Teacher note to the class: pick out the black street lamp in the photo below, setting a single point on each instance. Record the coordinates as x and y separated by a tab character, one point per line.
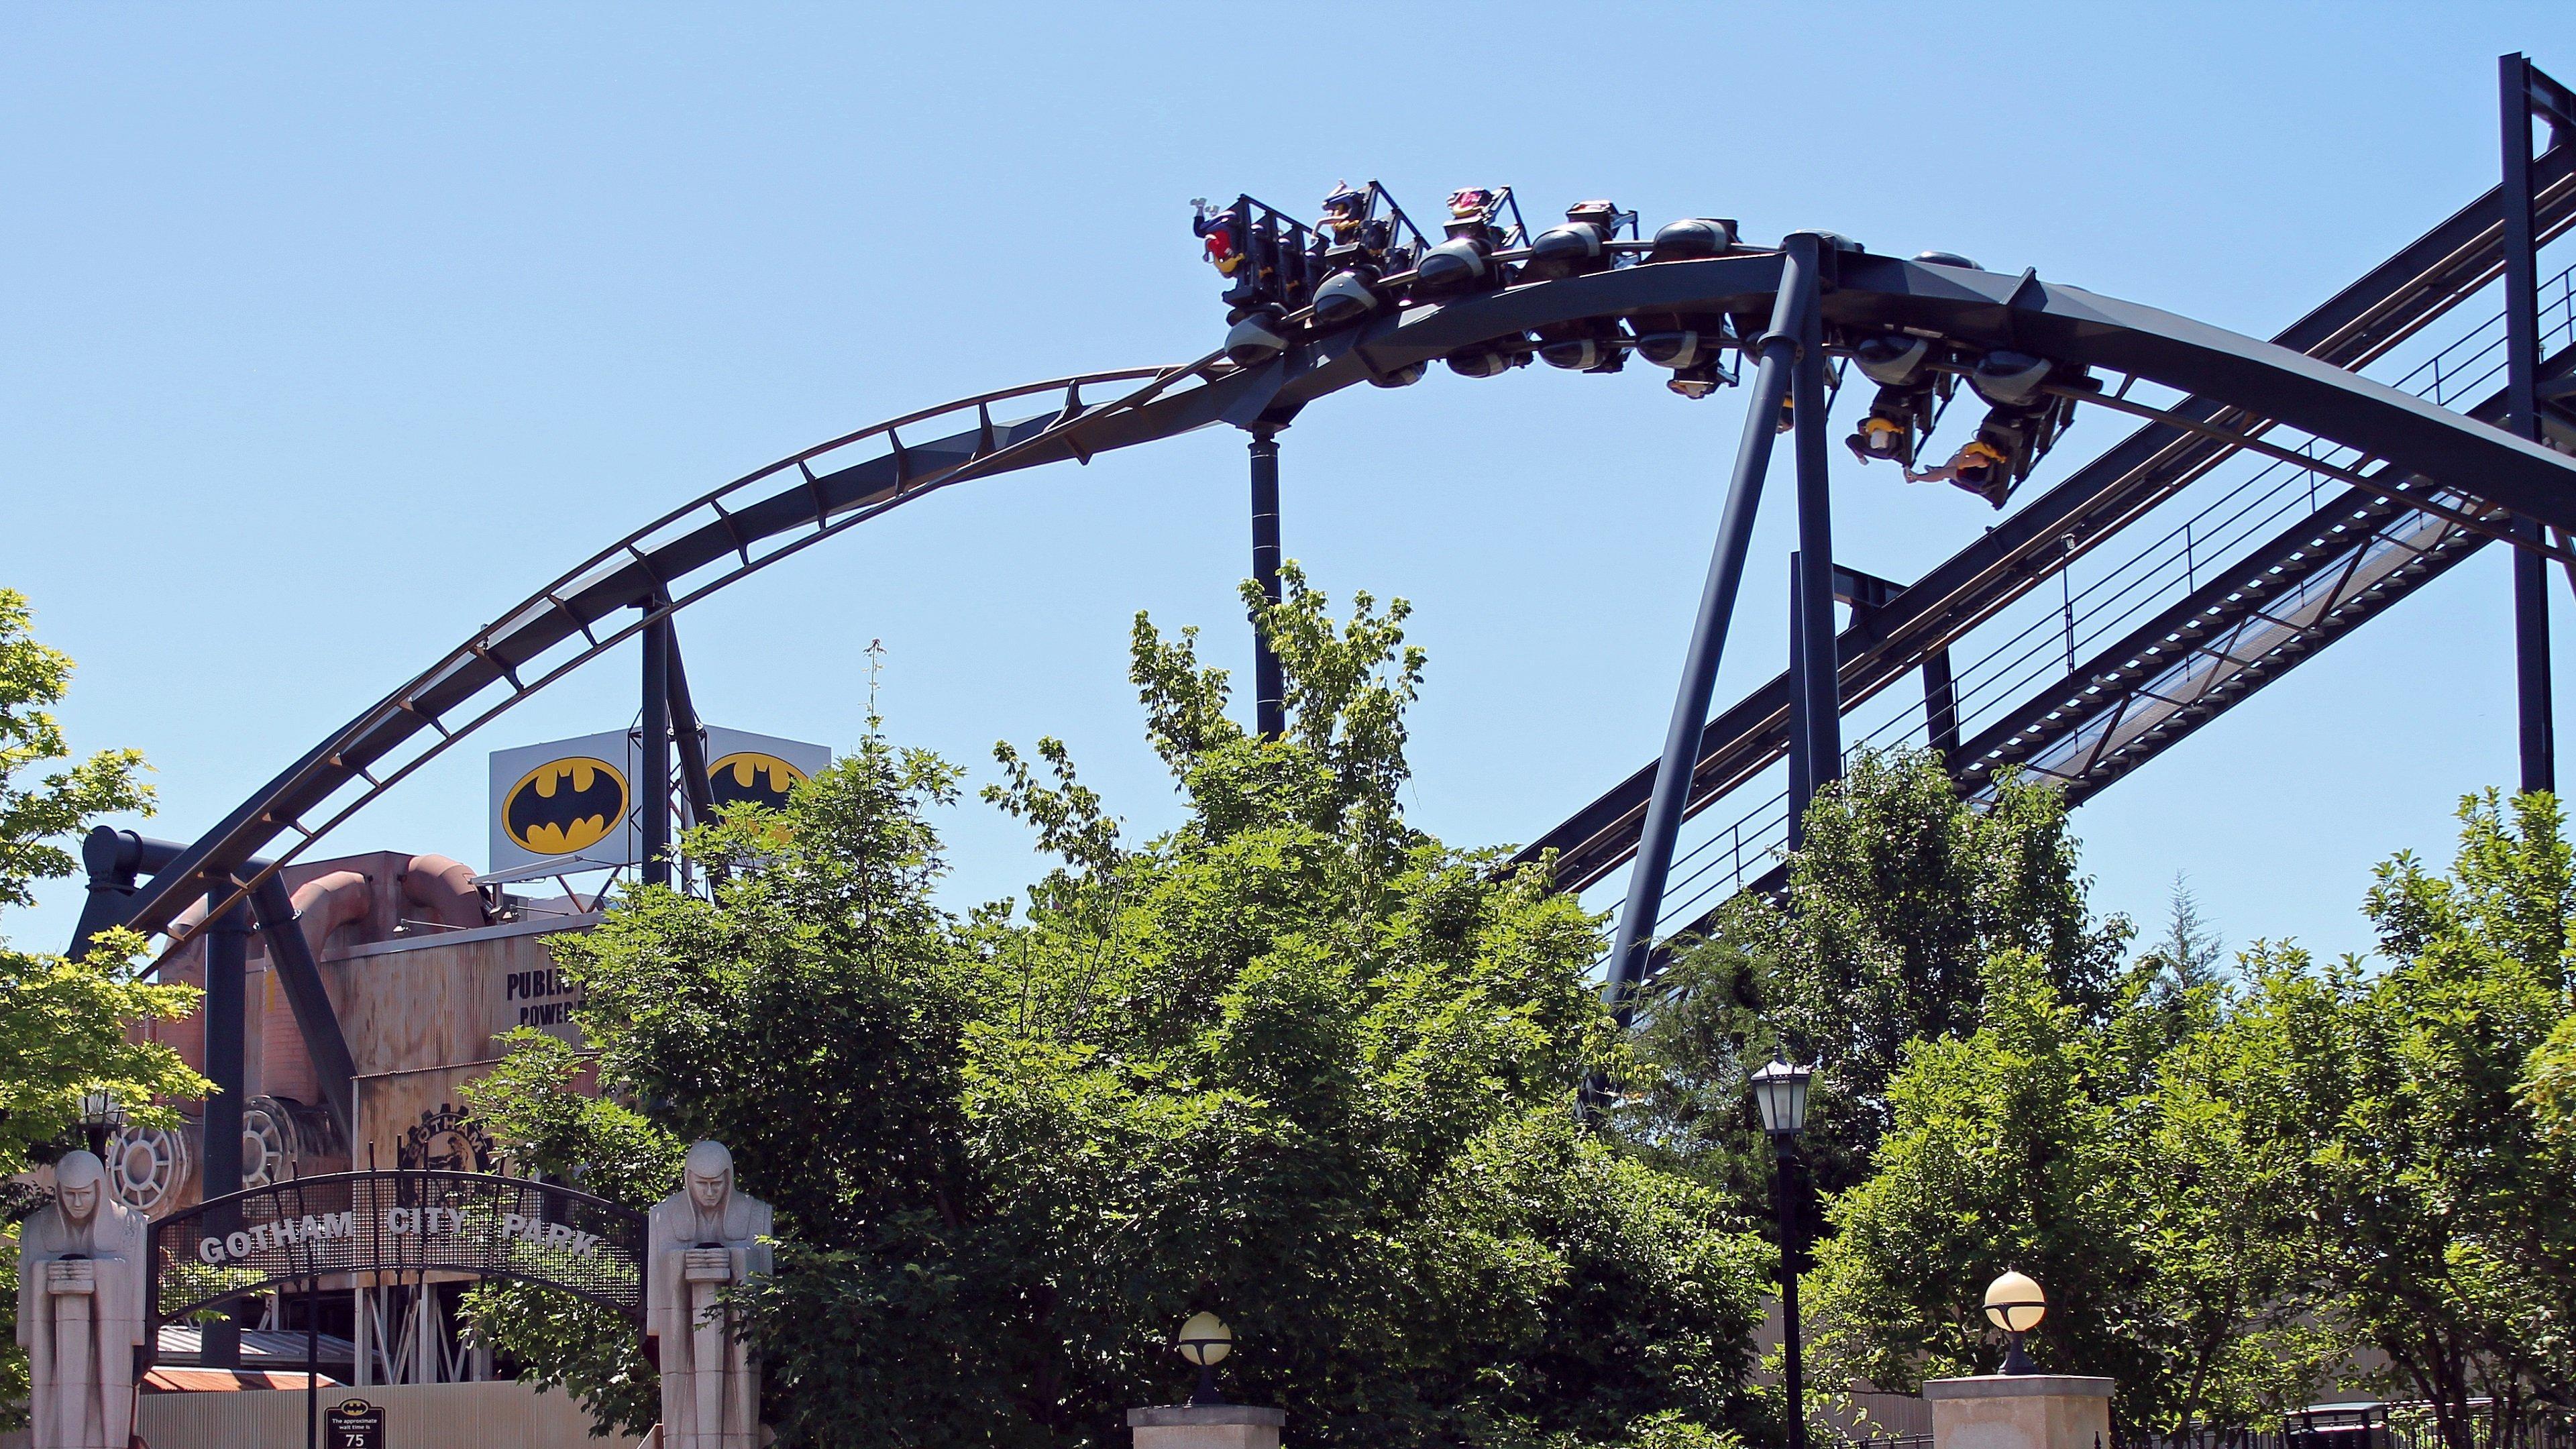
100	1116
1781	1091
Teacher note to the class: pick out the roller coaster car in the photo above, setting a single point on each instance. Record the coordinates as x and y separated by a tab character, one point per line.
1342	231
1692	346
1354	247
1490	359
1691	238
1247	243
1256	337
1464	262
2026	421
1983	468
1581	245
1589	346
1910	394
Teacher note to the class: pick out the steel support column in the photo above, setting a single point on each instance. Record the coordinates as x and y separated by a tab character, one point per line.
2522	378
653	763
1802	778
227	952
1818	683
688	734
1941	706
1269	688
299	976
1790	319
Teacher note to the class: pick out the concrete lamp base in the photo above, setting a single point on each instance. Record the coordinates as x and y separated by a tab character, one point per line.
2019	1411
1209	1426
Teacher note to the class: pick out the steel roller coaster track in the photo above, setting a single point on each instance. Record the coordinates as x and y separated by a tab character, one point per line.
2397	454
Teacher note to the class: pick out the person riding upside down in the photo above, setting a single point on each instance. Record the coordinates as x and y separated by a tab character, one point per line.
1979	468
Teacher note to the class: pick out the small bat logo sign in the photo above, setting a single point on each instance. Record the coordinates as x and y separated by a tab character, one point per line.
565	805
752	777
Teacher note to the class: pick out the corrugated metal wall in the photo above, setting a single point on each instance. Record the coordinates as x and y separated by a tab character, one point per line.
499	1415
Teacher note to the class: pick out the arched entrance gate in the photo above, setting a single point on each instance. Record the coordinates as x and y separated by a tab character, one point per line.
389	1225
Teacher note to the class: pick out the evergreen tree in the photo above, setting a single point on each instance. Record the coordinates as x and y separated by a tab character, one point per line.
2189	954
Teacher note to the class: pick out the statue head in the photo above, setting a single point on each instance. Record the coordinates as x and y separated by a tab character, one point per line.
80	1181
708	1173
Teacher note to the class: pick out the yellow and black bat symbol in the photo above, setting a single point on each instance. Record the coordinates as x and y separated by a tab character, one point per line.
565	805
763	780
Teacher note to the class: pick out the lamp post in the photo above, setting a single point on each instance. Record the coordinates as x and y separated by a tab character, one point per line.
1780	1090
2015	1305
1205	1340
100	1116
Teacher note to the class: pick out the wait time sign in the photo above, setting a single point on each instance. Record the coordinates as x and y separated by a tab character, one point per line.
354	1424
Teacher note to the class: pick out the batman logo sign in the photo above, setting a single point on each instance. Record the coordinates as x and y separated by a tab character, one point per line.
752	777
565	805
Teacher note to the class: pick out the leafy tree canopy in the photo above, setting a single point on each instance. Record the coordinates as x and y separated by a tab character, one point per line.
2089	1153
1899	896
2223	1188
65	1030
1294	1061
2428	1200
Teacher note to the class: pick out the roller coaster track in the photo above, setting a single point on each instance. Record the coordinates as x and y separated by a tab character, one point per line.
2045	537
2195	622
2391	444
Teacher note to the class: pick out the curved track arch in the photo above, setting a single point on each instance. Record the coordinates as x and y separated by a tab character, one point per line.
782	509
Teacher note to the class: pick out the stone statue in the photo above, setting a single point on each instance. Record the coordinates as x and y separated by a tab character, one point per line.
703	1238
81	1266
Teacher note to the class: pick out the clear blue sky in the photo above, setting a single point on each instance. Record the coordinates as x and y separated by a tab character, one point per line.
331	331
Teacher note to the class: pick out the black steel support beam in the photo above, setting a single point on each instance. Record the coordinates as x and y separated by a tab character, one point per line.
1818	663
1269	687
1941	707
1791	316
689	734
2535	729
116	858
1802	780
653	761
227	950
300	976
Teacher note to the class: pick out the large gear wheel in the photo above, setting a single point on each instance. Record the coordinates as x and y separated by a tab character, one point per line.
145	1166
269	1142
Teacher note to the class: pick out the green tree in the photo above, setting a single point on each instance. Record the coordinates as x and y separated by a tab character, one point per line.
2428	1199
1293	1060
1896	900
64	1032
535	1106
2190	953
2075	1147
2549	1085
